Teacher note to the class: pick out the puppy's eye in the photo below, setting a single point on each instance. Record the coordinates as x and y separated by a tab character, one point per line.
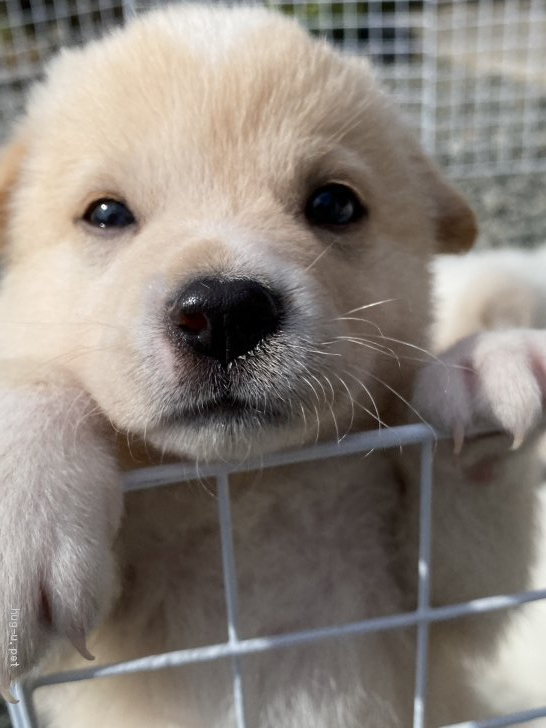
334	204
107	214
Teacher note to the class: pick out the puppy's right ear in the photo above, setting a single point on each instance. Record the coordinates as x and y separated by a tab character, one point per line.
11	158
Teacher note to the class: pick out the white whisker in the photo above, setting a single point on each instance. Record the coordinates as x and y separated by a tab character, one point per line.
401	398
427	353
375	416
369	305
351	399
319	256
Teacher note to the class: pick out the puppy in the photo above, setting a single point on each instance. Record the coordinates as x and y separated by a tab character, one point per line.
216	233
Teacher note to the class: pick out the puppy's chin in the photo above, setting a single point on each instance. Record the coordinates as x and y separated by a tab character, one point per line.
234	436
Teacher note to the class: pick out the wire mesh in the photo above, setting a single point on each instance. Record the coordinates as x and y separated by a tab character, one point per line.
235	648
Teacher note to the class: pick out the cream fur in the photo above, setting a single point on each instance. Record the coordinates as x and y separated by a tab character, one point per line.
216	152
497	290
487	290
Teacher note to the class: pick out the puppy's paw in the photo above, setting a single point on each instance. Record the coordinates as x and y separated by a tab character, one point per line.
54	585
60	507
492	380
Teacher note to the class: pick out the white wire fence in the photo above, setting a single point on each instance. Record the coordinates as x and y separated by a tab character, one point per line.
470	74
23	714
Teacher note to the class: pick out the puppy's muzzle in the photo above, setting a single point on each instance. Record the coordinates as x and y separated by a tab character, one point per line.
223	319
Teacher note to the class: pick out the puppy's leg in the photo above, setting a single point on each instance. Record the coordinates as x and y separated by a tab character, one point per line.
485	494
489	381
60	506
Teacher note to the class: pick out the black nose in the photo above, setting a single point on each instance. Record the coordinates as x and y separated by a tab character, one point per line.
224	319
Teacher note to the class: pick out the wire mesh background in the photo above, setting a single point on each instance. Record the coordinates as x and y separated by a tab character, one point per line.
471	74
471	77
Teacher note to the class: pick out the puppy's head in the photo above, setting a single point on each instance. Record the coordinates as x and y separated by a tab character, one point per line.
220	226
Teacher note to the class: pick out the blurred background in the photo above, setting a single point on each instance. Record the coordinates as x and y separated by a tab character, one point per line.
470	76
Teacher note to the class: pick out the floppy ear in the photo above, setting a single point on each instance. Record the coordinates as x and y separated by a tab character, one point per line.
11	157
456	225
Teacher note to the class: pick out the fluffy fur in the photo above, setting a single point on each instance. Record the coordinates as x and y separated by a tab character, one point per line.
485	291
214	126
488	290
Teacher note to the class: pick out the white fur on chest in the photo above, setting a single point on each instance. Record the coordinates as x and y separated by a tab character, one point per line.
315	546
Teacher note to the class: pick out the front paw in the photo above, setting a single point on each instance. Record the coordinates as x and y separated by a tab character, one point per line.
57	582
491	380
60	506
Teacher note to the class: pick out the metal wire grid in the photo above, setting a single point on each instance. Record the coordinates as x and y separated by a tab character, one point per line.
490	85
469	73
23	715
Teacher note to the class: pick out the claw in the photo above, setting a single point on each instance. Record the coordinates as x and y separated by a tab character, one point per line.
458	438
77	638
519	437
6	693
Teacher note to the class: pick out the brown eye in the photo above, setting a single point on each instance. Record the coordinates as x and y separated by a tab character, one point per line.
107	214
334	204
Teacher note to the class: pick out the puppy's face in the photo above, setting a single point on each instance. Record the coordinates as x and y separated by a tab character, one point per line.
221	229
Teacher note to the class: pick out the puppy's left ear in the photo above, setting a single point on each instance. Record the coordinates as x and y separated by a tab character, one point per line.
11	157
456	225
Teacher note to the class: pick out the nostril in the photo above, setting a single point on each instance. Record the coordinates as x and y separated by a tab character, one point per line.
193	323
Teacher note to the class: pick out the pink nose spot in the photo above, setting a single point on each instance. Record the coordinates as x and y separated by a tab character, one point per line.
194	322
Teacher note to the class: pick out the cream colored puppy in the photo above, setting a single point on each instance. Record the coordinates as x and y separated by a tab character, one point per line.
217	233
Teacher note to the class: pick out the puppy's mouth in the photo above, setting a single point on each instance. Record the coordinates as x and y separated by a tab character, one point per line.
227	410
